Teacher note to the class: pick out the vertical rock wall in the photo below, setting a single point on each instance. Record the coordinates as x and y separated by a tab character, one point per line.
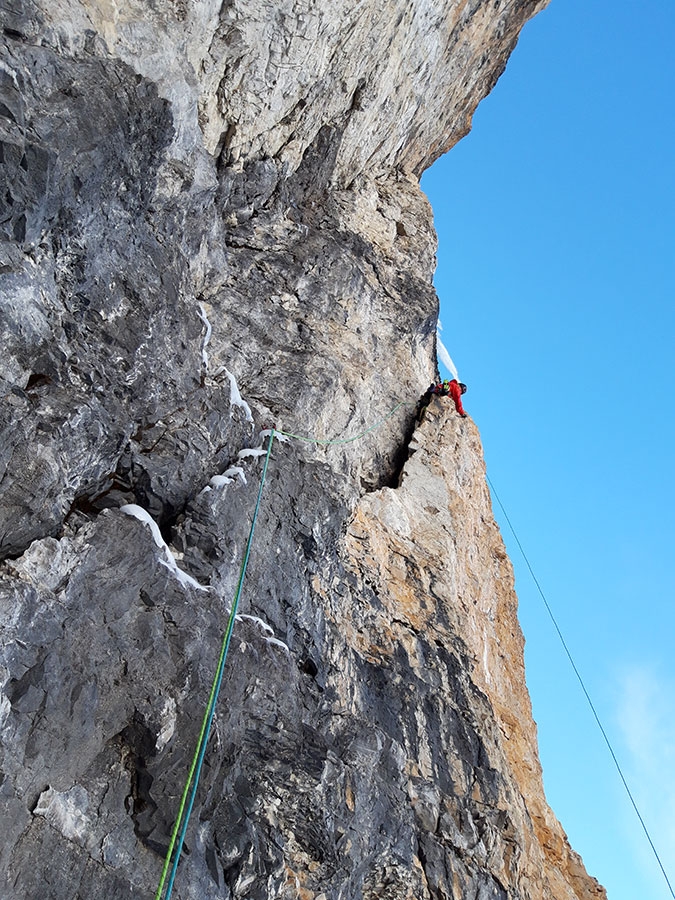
211	224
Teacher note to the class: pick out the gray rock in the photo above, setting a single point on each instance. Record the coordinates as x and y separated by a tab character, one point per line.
212	225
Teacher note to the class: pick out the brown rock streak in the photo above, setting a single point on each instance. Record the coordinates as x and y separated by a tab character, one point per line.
432	556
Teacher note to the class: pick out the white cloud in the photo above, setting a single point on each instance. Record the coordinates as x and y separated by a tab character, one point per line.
646	715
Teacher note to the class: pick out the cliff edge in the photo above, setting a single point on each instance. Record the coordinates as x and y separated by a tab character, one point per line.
211	224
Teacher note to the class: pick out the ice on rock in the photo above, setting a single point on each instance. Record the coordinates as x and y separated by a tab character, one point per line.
236	399
251	451
258	621
132	509
445	358
207	336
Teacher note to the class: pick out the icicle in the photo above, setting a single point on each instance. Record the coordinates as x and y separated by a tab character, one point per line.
235	397
444	357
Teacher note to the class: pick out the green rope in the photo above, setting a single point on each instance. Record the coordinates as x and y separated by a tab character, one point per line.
190	791
311	440
198	758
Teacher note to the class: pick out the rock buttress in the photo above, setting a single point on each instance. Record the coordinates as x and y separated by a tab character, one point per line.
435	613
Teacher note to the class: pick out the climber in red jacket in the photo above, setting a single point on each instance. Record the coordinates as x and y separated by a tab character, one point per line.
453	388
456	389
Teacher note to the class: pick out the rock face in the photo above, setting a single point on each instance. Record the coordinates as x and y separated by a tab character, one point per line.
212	224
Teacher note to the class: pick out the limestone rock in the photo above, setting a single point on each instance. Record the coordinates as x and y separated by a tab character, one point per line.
211	225
433	583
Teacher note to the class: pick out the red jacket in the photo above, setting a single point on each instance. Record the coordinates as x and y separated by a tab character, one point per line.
456	394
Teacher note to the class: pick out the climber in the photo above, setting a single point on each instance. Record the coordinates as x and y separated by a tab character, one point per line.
453	388
456	389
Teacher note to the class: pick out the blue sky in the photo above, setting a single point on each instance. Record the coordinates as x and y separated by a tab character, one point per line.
556	222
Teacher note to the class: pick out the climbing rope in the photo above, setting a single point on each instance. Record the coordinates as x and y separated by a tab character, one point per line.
189	794
190	790
583	687
185	807
187	800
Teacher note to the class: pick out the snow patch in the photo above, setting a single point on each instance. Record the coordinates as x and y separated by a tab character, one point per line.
207	336
182	577
257	621
131	509
233	471
220	481
235	397
216	482
227	477
278	436
251	451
